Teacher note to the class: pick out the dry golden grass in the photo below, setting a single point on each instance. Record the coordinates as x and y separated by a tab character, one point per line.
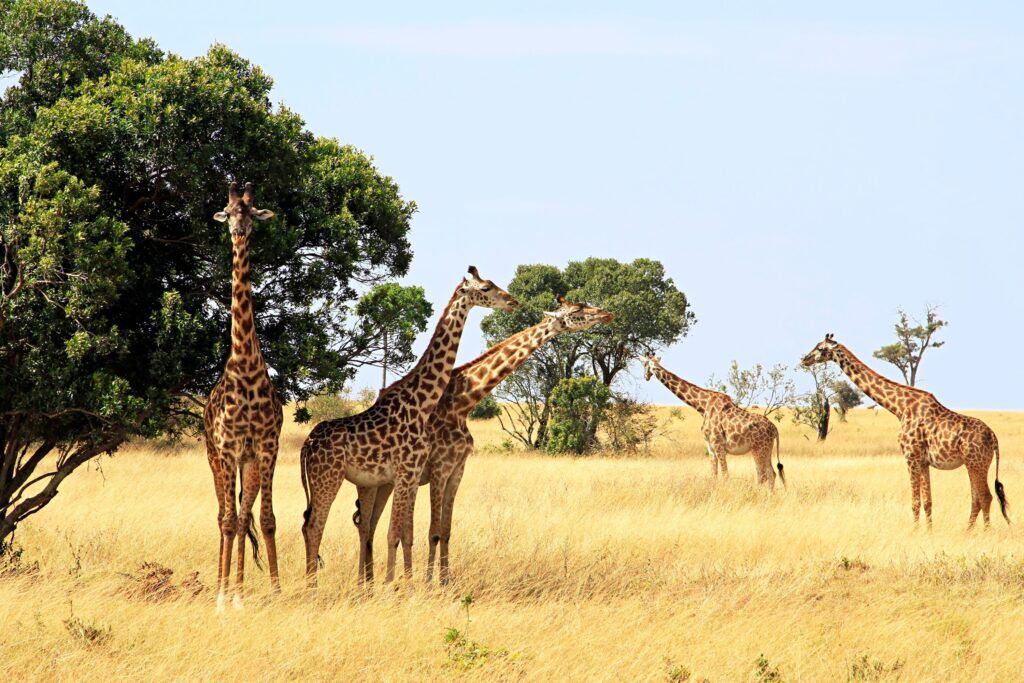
604	568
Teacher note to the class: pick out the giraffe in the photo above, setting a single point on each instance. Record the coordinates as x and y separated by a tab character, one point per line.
384	448
243	417
931	435
451	442
728	429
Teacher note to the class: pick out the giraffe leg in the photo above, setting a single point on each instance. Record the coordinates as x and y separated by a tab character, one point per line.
981	496
914	468
406	484
268	522
720	449
383	494
367	496
438	479
446	518
925	479
322	492
765	471
250	477
714	460
228	528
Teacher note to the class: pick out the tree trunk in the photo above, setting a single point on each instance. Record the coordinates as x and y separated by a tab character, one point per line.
823	423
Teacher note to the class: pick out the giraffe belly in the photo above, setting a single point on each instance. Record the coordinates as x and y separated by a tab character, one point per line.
738	449
370	474
944	462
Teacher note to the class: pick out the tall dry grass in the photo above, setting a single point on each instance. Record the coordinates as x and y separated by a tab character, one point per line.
605	568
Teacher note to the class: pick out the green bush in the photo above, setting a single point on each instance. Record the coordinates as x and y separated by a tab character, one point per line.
577	407
486	409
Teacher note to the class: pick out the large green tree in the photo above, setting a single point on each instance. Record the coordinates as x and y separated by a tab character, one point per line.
114	280
650	313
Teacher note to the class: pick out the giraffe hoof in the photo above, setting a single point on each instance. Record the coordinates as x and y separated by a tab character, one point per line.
236	602
221	603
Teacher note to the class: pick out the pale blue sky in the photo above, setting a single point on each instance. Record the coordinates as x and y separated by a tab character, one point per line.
798	169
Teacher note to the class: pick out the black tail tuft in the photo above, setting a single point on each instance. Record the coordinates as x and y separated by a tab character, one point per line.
319	562
357	516
251	533
782	474
1003	504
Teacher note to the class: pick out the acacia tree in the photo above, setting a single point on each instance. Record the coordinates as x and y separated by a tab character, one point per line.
913	338
390	318
650	313
831	392
114	280
771	389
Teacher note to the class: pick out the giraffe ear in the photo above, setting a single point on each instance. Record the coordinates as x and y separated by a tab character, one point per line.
262	214
220	216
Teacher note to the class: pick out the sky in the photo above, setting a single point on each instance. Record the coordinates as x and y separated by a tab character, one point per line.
799	169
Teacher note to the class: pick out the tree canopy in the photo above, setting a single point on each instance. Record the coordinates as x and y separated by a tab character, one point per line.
913	338
650	313
114	280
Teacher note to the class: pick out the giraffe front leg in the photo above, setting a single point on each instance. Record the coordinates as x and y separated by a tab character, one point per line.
450	490
915	491
438	480
926	492
714	459
227	522
401	509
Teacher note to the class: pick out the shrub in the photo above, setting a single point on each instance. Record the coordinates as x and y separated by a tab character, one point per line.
486	409
578	405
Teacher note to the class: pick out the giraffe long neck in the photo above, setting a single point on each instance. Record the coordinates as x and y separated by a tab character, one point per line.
426	382
471	382
245	345
892	396
697	397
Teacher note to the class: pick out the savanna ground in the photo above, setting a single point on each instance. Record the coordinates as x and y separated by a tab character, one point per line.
604	568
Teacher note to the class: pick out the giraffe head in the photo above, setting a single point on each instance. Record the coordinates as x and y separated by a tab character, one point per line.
649	363
484	293
240	212
822	353
572	317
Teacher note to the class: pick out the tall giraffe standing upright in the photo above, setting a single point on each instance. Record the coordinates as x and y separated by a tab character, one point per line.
385	447
243	416
451	442
931	435
728	429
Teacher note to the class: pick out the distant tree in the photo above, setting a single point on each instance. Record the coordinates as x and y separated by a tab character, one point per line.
577	406
115	280
650	311
814	408
769	389
913	338
390	318
486	409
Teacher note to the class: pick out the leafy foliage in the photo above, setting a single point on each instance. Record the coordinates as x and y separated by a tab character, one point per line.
913	338
577	406
771	389
831	391
390	318
114	280
486	409
650	313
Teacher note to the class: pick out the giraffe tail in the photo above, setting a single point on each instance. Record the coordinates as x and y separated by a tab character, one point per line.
778	458
308	512
250	533
1000	491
